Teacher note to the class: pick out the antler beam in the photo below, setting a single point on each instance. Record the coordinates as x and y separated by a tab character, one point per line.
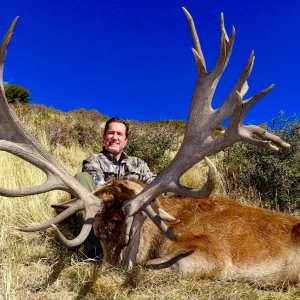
15	139
198	141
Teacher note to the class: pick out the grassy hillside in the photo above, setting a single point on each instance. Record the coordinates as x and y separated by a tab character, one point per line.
36	266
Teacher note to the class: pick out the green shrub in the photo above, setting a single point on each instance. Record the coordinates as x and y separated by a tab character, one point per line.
80	127
17	94
154	142
275	176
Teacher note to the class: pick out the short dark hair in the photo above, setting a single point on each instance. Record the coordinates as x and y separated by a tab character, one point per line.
117	120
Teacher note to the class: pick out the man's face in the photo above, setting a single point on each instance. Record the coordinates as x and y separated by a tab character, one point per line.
115	140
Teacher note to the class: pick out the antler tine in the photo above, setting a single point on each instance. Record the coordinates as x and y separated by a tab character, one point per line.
199	141
248	103
226	110
205	88
159	222
226	45
15	139
248	133
203	192
270	140
86	228
78	205
78	240
5	43
200	61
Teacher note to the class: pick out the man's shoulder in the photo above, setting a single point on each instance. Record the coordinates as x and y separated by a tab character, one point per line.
98	162
133	160
96	157
136	164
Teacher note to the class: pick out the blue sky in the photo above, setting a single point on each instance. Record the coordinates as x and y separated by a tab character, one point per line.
133	58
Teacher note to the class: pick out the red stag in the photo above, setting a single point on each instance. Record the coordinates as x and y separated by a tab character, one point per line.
215	236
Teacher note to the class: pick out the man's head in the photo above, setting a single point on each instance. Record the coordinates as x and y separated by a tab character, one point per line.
115	136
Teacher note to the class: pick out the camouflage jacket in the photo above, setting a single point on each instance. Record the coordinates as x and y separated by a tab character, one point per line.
103	167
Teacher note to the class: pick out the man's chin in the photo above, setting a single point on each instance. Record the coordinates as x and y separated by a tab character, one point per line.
114	151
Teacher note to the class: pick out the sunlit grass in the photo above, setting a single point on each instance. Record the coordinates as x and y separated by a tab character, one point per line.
197	176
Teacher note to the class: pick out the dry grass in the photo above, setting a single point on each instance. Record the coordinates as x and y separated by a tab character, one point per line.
36	266
197	175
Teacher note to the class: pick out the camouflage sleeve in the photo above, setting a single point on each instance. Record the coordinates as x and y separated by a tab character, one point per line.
145	174
91	166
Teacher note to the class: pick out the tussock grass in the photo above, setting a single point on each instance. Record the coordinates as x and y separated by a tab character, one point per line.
36	266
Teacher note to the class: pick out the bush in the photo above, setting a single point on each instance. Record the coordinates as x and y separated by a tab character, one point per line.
17	94
154	142
81	128
275	176
66	130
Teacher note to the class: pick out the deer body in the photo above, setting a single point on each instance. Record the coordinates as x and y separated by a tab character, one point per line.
218	238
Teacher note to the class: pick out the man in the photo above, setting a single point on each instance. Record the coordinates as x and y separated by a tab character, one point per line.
112	162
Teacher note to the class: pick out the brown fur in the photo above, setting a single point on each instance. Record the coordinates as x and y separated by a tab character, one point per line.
217	237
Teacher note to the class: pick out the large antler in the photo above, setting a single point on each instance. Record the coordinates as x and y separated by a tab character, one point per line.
15	139
198	141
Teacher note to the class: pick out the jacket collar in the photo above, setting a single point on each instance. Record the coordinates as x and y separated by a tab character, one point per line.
112	158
